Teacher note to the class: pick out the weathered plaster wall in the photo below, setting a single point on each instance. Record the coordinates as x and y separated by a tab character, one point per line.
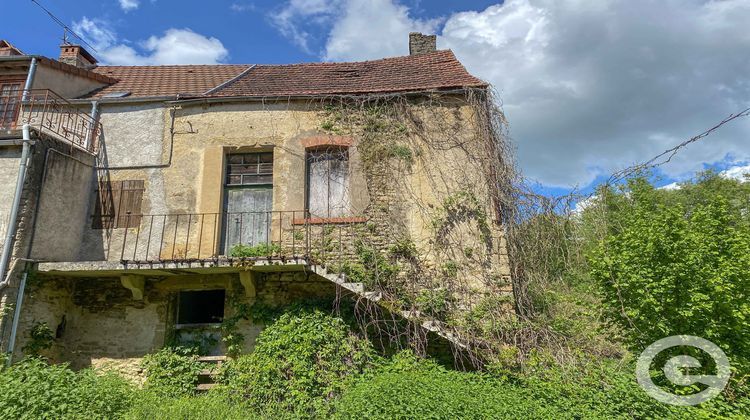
133	134
64	84
63	206
9	159
139	144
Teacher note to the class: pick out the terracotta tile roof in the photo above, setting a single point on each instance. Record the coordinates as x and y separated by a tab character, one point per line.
435	70
145	81
431	71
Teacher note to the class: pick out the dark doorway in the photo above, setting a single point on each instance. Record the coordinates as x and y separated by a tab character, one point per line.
200	307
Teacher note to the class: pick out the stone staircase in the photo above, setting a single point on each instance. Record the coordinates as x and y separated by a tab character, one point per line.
425	321
207	376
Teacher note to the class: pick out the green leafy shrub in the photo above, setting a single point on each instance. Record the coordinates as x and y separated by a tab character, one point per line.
206	407
33	389
408	387
172	371
411	389
41	338
675	268
300	361
259	250
436	302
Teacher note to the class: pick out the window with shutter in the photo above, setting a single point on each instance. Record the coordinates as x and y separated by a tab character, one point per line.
328	182
10	101
118	204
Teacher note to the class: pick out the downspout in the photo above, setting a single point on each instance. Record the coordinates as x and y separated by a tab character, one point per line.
16	317
29	80
92	130
8	245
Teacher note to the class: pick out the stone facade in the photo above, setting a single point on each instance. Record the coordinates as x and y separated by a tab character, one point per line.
179	152
97	323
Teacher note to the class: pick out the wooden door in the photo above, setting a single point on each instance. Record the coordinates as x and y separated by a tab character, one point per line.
248	200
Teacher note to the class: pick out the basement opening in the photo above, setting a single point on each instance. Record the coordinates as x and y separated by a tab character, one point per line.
200	307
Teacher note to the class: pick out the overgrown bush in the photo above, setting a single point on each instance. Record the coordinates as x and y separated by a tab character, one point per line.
407	388
207	407
32	389
299	362
678	263
172	372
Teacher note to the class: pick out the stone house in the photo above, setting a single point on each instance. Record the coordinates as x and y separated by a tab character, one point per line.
147	204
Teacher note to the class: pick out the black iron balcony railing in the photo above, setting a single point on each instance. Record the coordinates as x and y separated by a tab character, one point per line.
206	236
49	113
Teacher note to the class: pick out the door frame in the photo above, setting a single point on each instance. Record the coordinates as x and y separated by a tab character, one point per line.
225	188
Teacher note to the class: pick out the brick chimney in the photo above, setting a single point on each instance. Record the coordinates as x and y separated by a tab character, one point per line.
76	55
421	43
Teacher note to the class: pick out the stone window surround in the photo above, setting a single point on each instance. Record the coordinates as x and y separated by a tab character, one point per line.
320	141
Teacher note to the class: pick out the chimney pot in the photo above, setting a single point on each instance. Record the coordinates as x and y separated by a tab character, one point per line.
420	43
76	55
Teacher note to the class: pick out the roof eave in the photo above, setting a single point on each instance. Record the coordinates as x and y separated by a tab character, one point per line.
256	98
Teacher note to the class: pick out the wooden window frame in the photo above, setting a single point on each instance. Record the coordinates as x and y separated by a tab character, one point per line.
16	110
342	148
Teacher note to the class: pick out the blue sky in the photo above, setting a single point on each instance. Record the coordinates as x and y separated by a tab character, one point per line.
244	27
588	87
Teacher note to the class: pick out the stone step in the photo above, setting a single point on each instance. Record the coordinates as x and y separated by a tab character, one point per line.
373	296
204	387
213	359
354	287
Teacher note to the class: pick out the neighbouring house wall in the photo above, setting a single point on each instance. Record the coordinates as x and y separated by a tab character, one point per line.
63	205
104	327
9	160
68	177
64	84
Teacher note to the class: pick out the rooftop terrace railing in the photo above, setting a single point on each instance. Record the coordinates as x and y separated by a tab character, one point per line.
49	113
185	237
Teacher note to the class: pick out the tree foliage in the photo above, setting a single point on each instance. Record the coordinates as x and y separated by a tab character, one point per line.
678	262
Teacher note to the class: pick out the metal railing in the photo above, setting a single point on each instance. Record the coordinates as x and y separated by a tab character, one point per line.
206	236
49	113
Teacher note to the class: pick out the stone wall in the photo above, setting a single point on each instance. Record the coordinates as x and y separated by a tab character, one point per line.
98	323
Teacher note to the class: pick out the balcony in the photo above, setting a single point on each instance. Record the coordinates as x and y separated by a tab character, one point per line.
49	114
172	244
145	239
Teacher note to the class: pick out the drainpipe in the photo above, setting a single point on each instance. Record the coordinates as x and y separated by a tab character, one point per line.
7	249
29	79
8	244
16	317
92	130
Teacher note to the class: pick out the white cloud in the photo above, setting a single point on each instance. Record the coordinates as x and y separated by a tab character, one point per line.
128	5
740	173
588	87
360	29
175	46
